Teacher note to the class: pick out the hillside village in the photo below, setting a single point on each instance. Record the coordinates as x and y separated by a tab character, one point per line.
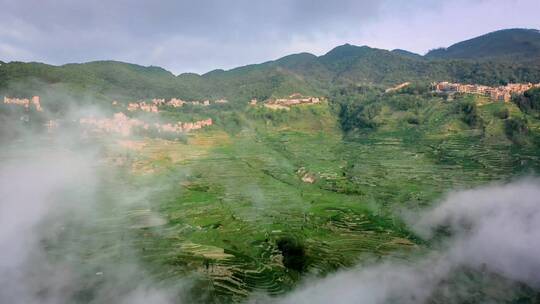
500	93
123	125
154	105
25	102
285	103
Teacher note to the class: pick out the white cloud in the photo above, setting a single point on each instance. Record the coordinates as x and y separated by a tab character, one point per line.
494	230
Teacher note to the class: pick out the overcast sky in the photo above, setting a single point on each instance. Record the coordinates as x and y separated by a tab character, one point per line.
202	35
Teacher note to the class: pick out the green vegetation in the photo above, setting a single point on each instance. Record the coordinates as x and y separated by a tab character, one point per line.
241	214
511	45
530	101
294	253
515	128
502	113
300	73
470	114
266	196
263	197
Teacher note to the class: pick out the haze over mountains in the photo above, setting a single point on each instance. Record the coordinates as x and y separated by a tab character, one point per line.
511	55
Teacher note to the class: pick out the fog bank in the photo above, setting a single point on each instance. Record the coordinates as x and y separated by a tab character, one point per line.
494	230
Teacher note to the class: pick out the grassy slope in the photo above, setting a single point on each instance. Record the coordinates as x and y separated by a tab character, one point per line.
232	195
244	193
230	192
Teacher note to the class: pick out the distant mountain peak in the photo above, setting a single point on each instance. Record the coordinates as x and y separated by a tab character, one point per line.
521	45
347	50
304	56
188	75
214	72
406	53
524	30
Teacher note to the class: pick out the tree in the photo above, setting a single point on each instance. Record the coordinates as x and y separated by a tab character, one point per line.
294	253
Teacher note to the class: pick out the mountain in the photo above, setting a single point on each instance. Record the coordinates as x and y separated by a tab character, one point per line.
350	64
406	53
511	45
308	74
363	64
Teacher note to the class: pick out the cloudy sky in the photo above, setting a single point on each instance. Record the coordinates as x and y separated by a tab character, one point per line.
201	35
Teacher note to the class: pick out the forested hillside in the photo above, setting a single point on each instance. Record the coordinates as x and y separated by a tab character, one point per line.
243	198
511	45
303	73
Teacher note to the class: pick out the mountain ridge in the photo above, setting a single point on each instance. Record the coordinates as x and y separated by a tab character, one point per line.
303	73
509	44
347	50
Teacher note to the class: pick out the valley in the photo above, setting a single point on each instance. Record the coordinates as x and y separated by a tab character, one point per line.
228	194
249	184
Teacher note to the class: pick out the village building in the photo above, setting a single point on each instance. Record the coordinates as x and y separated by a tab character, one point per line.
158	101
132	106
25	102
154	105
35	102
51	125
123	125
149	107
500	93
292	100
143	106
175	102
183	127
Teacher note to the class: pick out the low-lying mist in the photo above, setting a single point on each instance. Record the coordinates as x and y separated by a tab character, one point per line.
492	231
58	243
64	233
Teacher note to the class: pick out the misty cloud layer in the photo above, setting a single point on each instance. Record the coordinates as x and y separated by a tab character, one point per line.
198	36
494	229
26	190
61	228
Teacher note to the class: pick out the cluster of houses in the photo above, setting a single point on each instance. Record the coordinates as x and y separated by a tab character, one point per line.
500	93
124	125
177	102
294	99
25	102
183	127
143	106
286	103
154	105
120	124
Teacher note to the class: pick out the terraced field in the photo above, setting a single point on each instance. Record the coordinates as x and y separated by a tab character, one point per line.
215	207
